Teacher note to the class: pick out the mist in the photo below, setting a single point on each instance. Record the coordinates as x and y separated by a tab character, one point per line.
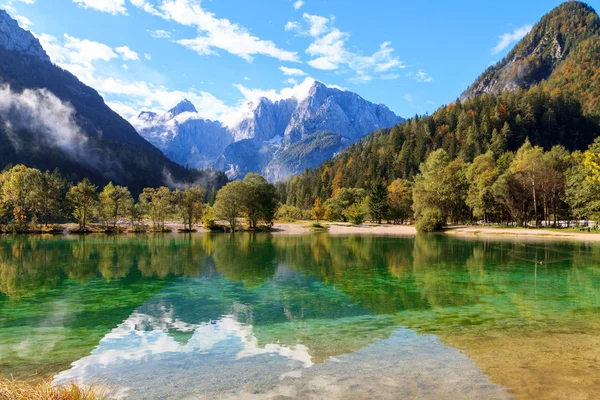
41	112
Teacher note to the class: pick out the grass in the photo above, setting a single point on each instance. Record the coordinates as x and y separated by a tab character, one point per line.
12	389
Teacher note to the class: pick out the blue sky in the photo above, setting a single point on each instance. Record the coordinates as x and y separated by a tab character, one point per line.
149	54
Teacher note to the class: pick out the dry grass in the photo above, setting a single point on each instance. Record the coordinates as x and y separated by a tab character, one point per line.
12	389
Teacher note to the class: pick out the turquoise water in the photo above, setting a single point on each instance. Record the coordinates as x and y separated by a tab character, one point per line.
260	316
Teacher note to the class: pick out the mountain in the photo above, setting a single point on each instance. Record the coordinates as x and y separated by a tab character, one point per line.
277	138
49	119
546	91
541	53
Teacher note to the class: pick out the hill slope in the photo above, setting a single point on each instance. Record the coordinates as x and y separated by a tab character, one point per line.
554	101
49	119
541	53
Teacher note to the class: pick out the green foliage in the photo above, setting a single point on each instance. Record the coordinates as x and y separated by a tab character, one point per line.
209	220
343	199
400	200
114	204
158	205
430	221
356	213
230	203
84	198
378	202
292	213
189	205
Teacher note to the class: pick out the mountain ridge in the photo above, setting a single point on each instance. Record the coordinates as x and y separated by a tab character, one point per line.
272	129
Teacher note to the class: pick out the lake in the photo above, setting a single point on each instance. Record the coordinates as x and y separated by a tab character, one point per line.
312	316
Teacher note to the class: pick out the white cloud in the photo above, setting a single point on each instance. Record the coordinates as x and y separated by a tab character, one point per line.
24	22
292	71
214	33
291	26
329	51
298	4
421	76
147	57
127	54
127	97
511	37
27	1
299	91
109	6
160	34
291	81
125	67
408	97
318	25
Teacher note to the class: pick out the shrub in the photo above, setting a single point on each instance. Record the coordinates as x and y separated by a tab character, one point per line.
356	213
209	220
430	221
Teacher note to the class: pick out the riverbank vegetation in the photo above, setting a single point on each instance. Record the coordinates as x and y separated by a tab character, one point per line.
32	201
12	389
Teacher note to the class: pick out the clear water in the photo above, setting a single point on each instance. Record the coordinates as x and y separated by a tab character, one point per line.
314	316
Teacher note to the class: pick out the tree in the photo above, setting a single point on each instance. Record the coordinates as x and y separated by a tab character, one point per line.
158	203
84	199
318	210
400	200
260	200
189	205
49	196
442	186
356	213
208	220
230	203
20	190
115	202
482	175
378	202
527	168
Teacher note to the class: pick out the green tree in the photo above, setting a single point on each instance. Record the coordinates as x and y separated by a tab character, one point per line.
189	205
50	196
378	202
260	200
158	204
230	203
482	175
20	192
528	169
84	198
115	203
356	213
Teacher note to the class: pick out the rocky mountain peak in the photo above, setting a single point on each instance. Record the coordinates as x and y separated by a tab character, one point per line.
14	38
542	51
182	107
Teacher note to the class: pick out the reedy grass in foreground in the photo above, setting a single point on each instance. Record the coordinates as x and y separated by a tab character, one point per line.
13	389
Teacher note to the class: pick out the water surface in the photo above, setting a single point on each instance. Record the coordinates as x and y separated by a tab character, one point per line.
260	316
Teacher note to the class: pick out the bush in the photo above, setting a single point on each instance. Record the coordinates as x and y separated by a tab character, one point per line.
209	220
430	221
356	213
291	214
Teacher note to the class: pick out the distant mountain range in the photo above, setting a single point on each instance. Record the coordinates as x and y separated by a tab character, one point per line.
278	139
49	119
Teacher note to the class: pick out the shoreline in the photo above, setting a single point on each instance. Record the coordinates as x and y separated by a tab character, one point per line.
342	229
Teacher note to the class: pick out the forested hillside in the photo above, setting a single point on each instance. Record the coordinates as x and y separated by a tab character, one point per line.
561	110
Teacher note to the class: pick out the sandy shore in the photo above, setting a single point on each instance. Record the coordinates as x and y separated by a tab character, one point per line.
408	230
489	231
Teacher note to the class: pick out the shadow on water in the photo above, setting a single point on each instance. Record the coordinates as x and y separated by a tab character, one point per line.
527	313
